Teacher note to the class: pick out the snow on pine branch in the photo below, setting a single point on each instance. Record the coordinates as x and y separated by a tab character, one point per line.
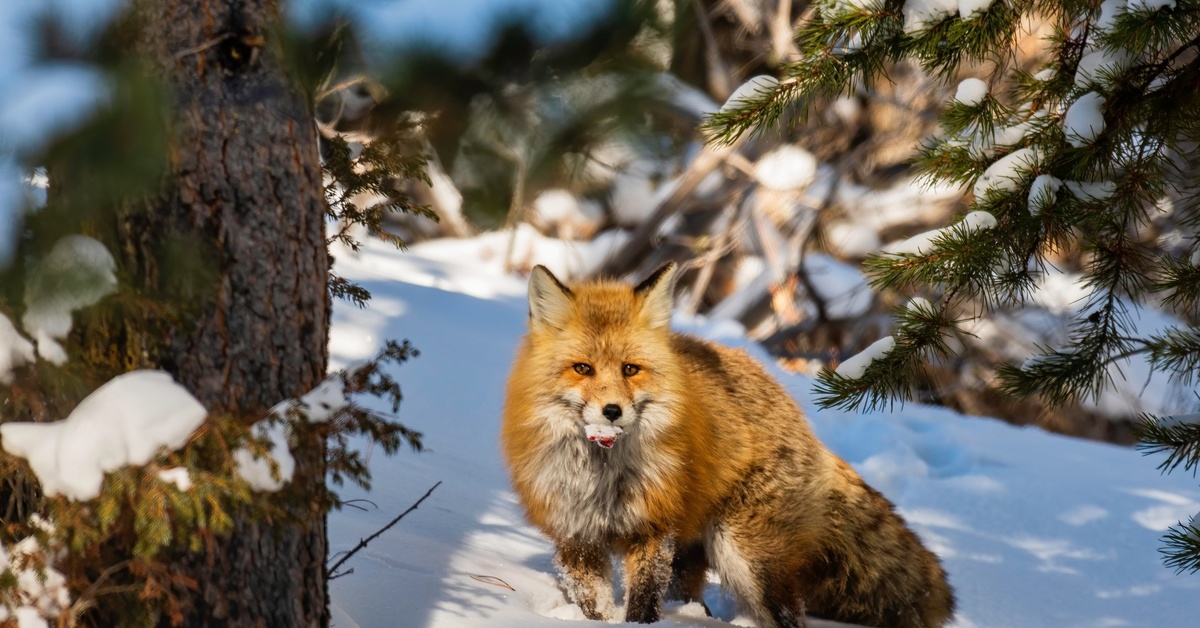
37	592
274	469
127	421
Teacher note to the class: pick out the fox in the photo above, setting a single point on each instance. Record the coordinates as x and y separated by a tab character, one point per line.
677	455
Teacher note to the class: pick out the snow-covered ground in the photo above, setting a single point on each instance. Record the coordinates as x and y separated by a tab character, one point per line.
1034	529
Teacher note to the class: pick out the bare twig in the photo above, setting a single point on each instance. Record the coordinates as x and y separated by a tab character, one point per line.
332	571
492	580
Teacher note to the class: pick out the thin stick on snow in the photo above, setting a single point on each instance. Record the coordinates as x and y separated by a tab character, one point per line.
332	571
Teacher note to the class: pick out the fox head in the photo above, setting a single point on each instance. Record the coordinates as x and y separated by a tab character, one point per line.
604	349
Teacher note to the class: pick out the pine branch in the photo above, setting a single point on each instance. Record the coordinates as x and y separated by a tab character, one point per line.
1178	437
921	334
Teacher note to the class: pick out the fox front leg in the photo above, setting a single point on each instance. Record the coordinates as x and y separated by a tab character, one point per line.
587	577
647	574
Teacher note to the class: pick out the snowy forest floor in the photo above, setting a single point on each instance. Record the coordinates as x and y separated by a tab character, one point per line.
1034	529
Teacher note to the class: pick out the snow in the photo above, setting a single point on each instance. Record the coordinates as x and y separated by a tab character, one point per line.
919	15
177	476
1109	9
257	471
487	251
1035	530
320	403
1045	74
39	593
603	435
841	287
15	350
851	239
788	167
1006	173
77	272
968	9
921	305
751	91
1084	120
977	220
1091	190
971	92
923	242
569	215
855	366
124	422
1095	65
1151	5
1043	192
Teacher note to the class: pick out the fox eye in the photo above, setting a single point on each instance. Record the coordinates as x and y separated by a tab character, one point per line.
631	369
582	369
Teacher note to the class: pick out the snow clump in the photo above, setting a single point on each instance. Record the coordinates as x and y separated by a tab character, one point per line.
316	406
923	243
920	305
855	366
1151	5
1095	65
1006	173
919	15
1084	120
257	471
127	421
77	272
750	92
968	9
177	476
15	350
971	92
1042	192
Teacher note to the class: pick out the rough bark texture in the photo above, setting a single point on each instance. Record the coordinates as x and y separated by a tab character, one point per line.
245	198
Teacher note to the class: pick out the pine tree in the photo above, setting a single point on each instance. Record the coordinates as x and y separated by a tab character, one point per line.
1095	151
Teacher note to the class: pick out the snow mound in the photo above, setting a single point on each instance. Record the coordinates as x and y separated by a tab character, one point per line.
124	422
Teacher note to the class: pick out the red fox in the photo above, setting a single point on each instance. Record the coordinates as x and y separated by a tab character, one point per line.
625	437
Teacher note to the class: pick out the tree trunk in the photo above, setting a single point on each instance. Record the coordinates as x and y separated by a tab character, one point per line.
245	200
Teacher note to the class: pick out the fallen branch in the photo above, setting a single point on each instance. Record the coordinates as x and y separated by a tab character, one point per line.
332	571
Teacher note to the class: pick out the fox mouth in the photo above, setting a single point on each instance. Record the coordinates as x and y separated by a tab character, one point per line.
603	435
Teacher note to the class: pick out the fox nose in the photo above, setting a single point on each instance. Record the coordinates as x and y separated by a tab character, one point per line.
612	412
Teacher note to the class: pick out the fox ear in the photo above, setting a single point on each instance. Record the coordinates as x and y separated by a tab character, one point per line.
549	299
658	293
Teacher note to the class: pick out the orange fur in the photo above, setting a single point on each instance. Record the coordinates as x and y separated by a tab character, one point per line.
713	451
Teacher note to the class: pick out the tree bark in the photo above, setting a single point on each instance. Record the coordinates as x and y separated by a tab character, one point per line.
245	198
